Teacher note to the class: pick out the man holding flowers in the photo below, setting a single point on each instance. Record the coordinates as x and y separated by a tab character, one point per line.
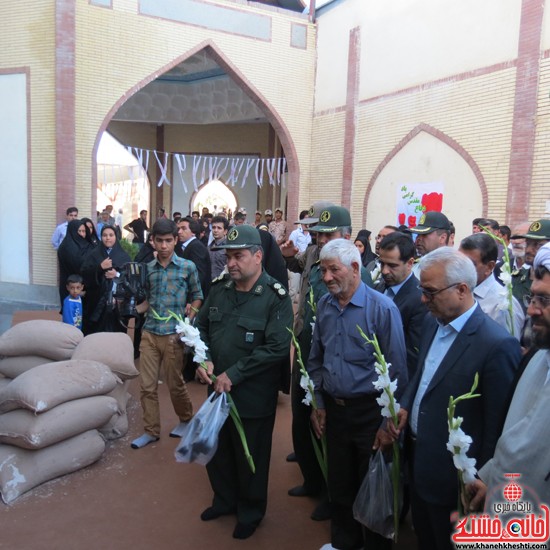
458	341
244	326
342	367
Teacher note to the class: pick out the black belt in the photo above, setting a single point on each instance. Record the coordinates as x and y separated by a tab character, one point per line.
351	401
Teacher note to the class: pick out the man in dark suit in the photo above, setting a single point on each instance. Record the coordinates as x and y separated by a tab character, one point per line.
192	249
396	256
458	341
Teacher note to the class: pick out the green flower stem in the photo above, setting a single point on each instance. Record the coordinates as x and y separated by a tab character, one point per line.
319	445
509	289
454	424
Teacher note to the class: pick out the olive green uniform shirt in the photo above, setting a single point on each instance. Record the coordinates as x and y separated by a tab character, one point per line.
247	338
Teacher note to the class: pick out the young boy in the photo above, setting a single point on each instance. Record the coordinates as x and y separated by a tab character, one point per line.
72	304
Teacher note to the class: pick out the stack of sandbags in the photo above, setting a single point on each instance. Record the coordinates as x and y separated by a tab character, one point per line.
49	417
116	350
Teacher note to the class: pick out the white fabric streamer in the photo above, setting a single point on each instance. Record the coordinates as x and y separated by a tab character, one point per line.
249	164
259	172
163	169
182	165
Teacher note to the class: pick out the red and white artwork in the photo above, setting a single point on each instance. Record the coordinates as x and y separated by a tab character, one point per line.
413	199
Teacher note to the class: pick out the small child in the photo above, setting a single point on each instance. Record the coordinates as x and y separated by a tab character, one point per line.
72	304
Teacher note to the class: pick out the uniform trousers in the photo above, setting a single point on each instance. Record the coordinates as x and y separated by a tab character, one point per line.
162	355
351	427
236	488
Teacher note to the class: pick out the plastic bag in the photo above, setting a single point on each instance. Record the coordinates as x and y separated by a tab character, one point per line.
200	437
373	506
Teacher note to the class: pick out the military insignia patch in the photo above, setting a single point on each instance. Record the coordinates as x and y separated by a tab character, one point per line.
325	216
311	212
535	226
233	234
422	219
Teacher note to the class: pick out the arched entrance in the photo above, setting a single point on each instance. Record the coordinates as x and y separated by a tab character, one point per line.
202	104
216	196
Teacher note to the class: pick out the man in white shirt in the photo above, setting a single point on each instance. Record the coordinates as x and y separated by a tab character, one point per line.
61	229
488	293
301	236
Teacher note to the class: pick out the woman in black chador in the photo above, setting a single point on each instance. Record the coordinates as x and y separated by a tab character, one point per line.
101	270
71	254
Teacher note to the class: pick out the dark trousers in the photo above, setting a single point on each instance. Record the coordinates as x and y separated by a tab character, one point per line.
301	436
351	429
432	523
236	488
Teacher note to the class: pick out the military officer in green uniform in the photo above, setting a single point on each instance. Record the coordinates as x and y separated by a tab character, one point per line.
244	323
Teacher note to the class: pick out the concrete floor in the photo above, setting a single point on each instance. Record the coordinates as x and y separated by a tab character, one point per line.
143	499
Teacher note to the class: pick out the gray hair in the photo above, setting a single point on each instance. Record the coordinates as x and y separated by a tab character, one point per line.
345	230
458	267
341	249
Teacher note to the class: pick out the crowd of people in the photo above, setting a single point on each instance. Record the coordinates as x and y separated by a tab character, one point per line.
444	313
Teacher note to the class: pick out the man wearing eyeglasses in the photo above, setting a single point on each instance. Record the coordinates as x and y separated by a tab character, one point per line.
523	446
537	236
458	341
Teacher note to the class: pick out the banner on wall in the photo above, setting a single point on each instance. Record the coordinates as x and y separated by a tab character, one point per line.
413	199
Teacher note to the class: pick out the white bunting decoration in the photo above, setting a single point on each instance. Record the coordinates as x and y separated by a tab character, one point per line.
163	165
182	165
204	168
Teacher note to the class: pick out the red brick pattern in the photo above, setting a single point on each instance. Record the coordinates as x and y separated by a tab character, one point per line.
352	95
525	111
65	148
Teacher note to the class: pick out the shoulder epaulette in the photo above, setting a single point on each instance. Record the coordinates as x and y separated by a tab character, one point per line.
278	288
219	278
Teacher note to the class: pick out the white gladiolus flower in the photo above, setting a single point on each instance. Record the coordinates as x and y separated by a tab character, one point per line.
191	337
466	465
383	381
458	441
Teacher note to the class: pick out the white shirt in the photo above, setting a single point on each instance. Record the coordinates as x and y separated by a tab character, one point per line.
300	239
492	298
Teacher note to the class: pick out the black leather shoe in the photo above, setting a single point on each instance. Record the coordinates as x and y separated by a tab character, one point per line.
210	514
322	511
300	491
244	530
291	457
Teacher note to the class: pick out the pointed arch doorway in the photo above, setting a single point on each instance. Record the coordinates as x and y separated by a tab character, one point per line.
201	103
216	196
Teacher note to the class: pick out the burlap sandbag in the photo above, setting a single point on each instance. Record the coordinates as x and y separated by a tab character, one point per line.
22	470
27	430
120	393
116	427
12	367
114	349
49	385
52	339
